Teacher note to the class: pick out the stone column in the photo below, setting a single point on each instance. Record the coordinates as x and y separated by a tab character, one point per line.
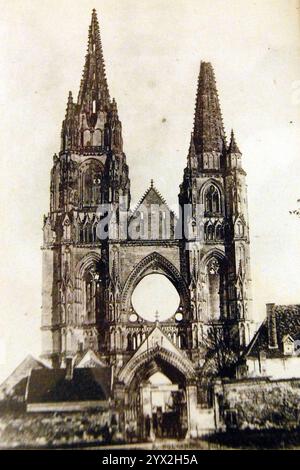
218	394
119	401
191	402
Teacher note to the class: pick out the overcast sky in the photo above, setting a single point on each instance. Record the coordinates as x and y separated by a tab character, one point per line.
152	50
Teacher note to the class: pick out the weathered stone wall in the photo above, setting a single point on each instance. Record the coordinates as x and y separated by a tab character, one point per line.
61	429
131	254
258	403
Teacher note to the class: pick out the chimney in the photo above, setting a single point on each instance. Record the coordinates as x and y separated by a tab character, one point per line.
272	327
69	368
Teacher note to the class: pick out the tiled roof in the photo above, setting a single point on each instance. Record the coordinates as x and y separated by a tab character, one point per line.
287	323
51	385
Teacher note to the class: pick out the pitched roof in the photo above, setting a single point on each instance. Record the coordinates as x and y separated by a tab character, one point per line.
151	196
51	385
20	374
287	323
157	342
88	359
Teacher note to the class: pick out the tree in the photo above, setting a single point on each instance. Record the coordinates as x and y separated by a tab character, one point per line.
221	355
220	359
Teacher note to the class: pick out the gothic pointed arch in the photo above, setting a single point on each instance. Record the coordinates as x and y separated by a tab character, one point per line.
214	253
172	364
87	230
219	231
212	200
214	267
94	225
155	263
90	180
209	231
90	288
240	227
91	259
212	197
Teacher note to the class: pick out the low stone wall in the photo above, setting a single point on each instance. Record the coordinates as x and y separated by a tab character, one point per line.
258	403
34	430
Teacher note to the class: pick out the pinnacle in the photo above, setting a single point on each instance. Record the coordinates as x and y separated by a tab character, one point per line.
233	147
69	105
192	150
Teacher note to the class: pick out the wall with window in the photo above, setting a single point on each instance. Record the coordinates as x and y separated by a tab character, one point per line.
212	200
214	288
90	184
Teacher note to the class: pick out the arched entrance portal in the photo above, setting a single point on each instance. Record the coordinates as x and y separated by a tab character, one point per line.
160	397
156	390
163	408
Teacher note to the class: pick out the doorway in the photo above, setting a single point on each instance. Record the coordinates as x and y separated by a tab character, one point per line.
163	410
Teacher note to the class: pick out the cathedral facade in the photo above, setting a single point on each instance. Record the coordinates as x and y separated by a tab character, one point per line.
89	277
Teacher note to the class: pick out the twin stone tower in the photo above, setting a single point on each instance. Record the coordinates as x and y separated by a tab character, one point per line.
89	278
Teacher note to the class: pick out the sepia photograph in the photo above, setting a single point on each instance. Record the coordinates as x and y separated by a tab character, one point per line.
150	207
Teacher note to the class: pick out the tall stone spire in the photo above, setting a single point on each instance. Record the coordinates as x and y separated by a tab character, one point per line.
94	93
209	135
92	123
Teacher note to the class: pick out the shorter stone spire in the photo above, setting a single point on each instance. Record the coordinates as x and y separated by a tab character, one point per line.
192	157
233	147
116	128
70	106
233	156
114	110
68	125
